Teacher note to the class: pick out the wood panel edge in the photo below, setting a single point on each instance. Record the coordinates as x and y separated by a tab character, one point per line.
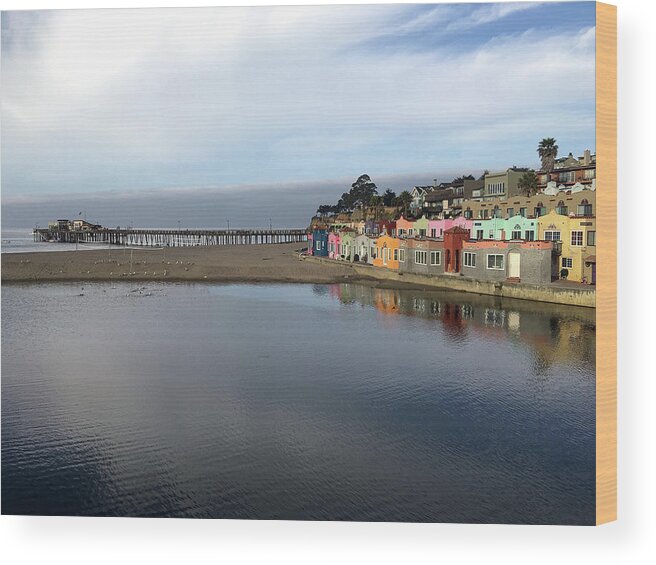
606	295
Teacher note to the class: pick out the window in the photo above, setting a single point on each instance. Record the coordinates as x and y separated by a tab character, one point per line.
522	212
561	209
491	234
422	233
318	245
496	188
529	235
485	213
510	212
566	177
540	210
373	252
420	257
584	208
516	234
435	258
592	238
433	232
567	262
469	259
496	213
396	254
468	214
552	235
479	234
577	238
402	255
495	262
589	174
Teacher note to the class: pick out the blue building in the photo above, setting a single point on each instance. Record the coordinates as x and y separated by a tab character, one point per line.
320	243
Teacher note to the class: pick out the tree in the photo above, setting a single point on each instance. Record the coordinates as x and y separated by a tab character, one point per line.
528	183
462	179
403	201
388	197
485	172
548	151
362	190
324	209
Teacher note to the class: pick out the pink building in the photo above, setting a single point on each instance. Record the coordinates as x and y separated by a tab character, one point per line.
404	228
436	228
334	243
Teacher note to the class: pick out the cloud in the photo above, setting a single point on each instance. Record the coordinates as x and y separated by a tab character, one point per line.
452	17
132	99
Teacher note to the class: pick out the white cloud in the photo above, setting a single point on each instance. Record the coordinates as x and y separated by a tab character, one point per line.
268	92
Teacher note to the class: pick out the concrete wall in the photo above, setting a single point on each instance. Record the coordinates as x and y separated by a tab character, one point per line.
579	296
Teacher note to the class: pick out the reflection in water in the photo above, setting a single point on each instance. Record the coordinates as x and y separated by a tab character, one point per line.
341	402
554	333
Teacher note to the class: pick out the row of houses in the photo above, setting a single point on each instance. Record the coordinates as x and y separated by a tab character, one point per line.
450	199
531	250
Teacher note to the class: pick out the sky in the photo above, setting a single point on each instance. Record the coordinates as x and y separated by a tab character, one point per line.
149	116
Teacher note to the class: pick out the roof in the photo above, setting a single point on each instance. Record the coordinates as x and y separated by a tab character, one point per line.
440	194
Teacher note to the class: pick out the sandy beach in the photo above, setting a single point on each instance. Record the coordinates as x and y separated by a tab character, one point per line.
220	263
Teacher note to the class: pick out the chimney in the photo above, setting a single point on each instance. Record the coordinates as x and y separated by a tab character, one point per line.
586	157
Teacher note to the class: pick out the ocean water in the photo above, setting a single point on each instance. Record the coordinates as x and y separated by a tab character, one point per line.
22	241
326	402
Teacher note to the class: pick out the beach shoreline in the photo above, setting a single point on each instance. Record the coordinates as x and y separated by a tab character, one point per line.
266	263
218	263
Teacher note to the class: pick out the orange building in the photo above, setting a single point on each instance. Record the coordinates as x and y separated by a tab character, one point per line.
387	252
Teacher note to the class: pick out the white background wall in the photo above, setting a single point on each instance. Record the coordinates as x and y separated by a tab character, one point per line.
630	540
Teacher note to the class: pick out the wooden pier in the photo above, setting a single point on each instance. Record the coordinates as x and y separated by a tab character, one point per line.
170	237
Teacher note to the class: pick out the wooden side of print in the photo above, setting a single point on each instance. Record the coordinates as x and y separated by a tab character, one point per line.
606	133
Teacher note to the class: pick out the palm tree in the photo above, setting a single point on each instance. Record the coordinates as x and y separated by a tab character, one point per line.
548	151
375	202
528	183
404	200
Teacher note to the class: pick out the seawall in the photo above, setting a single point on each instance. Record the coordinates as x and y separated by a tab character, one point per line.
573	296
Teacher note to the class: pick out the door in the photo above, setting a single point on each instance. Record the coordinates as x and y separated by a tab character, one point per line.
513	265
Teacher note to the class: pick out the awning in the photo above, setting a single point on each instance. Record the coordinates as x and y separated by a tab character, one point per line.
591	259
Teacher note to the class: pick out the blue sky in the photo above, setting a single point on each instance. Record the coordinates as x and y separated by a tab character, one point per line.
209	101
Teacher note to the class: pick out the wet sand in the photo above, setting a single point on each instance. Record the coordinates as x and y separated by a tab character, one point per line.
220	263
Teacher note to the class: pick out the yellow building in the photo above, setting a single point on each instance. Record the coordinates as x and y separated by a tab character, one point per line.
578	237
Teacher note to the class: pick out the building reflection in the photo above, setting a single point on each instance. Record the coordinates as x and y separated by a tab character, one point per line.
555	333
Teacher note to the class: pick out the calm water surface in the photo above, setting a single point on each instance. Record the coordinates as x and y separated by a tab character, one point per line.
338	402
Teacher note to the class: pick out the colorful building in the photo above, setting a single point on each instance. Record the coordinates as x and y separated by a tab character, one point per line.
347	243
517	261
501	229
566	202
578	239
320	243
421	256
364	249
387	252
404	228
334	244
420	227
453	241
436	228
387	227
